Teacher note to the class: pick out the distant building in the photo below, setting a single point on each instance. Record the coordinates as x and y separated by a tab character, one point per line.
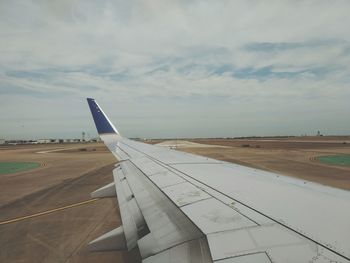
41	141
2	141
44	141
95	140
15	142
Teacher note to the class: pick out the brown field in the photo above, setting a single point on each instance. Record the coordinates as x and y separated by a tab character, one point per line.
67	177
292	157
64	178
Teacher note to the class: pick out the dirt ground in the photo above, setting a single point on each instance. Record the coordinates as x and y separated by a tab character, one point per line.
67	177
64	178
292	157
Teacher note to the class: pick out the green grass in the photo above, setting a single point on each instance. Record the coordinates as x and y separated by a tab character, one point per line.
14	167
343	159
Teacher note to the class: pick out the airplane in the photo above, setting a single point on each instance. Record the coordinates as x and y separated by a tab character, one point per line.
180	207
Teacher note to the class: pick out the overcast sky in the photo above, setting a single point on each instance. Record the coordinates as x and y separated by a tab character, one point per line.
163	68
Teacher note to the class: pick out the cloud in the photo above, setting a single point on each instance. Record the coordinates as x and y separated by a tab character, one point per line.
146	60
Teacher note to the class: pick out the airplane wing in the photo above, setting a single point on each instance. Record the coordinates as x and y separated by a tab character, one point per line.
179	207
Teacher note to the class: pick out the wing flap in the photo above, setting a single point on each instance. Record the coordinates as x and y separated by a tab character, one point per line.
194	251
133	221
162	217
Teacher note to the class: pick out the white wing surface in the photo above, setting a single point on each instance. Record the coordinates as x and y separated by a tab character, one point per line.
179	207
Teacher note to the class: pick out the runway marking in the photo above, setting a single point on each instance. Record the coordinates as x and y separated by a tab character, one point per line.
58	150
14	220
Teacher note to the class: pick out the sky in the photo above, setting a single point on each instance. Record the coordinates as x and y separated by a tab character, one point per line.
174	69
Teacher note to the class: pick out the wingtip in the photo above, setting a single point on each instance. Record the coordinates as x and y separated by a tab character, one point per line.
103	124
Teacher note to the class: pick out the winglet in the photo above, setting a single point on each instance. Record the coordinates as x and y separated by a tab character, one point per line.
103	124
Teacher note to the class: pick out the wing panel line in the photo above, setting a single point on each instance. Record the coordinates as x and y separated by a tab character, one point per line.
171	169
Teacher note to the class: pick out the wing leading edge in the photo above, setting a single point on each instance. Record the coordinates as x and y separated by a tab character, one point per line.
179	207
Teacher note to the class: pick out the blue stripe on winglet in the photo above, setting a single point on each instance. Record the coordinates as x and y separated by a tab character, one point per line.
101	121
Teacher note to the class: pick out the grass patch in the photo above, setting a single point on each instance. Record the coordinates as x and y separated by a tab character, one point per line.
343	159
14	167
